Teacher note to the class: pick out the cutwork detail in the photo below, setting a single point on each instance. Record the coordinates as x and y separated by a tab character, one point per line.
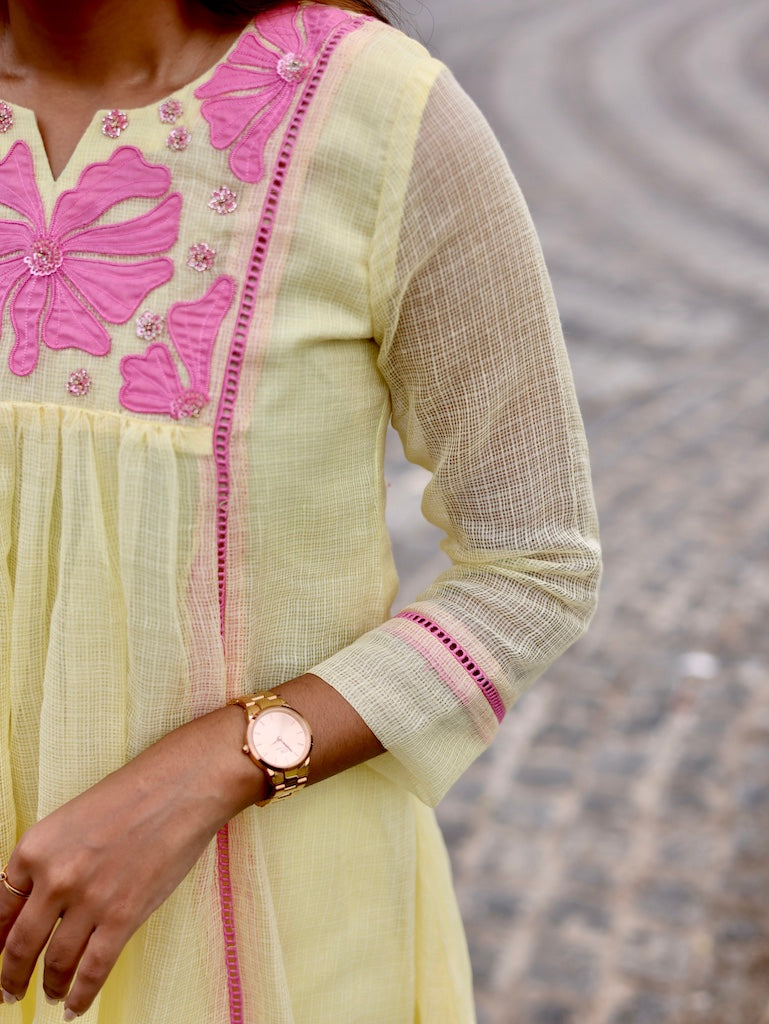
178	138
79	383
223	200
201	257
63	278
170	111
114	123
6	117
487	688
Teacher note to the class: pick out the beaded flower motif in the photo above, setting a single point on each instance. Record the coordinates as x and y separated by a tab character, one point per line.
223	200
170	111
114	123
249	95
152	382
201	257
149	326
56	276
79	383
178	138
6	117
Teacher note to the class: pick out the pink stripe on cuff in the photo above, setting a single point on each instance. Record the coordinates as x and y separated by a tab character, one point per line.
487	688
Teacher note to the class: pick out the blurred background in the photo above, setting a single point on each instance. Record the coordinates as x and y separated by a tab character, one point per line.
612	849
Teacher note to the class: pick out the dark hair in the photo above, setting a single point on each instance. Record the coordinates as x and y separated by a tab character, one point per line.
242	9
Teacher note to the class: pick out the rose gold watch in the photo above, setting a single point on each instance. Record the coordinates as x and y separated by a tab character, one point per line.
279	741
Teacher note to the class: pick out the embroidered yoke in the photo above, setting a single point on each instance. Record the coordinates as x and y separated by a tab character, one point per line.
208	321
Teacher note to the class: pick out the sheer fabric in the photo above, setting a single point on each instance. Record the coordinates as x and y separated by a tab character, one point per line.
400	275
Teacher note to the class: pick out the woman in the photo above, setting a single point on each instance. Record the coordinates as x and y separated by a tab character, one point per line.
231	249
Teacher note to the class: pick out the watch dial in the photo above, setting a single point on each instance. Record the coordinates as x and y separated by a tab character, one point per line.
280	737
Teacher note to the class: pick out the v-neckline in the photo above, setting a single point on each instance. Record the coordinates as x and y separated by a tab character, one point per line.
134	115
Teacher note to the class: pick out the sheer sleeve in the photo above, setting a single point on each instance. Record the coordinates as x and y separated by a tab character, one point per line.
482	396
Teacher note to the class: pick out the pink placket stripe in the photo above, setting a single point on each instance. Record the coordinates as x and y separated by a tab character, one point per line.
222	433
487	688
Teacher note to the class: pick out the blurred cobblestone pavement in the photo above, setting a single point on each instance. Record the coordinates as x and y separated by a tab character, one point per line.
612	849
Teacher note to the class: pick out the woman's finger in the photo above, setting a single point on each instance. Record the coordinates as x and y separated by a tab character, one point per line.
99	958
24	943
64	953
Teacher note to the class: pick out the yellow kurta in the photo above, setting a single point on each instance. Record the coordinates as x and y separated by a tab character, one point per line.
208	321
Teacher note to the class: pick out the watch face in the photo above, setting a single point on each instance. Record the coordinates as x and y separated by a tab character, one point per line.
279	737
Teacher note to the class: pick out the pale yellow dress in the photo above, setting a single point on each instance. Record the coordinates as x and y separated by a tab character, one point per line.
208	321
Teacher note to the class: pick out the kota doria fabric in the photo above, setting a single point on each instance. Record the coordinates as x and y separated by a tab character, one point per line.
204	337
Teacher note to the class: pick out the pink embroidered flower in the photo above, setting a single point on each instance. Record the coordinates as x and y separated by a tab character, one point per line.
56	277
170	111
178	138
223	200
114	123
201	257
79	383
152	382
248	97
149	326
6	117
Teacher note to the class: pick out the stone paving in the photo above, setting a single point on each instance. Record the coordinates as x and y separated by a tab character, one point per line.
612	849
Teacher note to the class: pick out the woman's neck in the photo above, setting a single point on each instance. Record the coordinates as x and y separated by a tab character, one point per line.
96	44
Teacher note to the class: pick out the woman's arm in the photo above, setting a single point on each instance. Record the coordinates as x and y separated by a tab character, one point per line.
102	863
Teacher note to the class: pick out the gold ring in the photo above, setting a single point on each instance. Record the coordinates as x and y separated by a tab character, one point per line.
12	888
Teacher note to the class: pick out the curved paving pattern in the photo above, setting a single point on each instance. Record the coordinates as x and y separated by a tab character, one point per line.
612	849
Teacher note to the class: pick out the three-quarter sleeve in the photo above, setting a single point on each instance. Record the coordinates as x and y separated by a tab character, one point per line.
471	349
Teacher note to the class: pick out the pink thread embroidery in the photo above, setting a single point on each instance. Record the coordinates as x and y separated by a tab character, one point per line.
170	111
57	294
79	383
223	200
178	138
6	117
114	123
152	382
488	689
201	257
250	95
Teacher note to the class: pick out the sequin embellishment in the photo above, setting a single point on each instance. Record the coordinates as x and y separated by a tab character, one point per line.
114	123
79	383
292	69
6	117
223	200
200	257
188	404
170	111
44	256
149	326
178	138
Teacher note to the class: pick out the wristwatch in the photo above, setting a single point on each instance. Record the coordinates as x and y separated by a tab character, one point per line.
279	741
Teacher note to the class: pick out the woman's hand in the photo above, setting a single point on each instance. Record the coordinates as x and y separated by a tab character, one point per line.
99	865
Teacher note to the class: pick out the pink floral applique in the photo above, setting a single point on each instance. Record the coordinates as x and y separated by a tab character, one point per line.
152	382
250	94
58	294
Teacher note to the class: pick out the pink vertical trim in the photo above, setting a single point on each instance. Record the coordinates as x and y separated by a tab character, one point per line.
487	688
227	906
222	431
